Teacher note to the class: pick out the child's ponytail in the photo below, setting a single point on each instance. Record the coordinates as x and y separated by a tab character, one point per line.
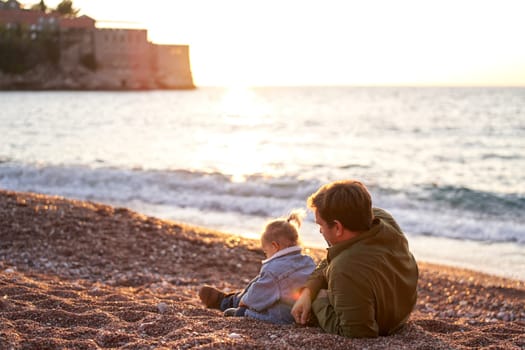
296	217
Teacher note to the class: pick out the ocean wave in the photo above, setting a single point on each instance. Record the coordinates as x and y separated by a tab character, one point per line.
513	156
257	195
467	199
443	211
459	225
456	212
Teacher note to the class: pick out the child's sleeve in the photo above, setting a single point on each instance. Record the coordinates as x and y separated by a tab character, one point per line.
262	293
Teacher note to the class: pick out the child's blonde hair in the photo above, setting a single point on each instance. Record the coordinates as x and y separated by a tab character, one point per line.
285	231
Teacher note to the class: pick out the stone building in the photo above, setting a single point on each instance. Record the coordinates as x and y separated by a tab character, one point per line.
118	58
171	64
12	15
124	54
10	4
78	29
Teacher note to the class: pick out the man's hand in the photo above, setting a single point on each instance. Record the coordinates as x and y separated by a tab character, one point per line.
323	293
302	307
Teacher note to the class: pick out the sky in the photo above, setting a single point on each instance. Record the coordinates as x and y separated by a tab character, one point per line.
333	42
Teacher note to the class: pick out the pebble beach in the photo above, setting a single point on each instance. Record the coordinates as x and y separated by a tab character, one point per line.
83	275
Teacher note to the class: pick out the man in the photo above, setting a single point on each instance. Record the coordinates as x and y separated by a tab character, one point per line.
367	284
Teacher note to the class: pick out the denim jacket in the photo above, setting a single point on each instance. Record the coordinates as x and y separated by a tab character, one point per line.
271	295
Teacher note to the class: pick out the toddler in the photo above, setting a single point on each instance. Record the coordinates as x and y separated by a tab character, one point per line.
269	296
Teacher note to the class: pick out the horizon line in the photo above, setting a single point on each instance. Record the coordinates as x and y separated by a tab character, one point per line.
360	86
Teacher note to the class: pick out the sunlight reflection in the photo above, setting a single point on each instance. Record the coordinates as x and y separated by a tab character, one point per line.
237	141
244	157
242	106
237	155
243	110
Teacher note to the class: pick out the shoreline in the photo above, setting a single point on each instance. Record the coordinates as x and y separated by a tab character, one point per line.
502	259
79	274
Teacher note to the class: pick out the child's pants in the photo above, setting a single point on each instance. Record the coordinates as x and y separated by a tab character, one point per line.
232	301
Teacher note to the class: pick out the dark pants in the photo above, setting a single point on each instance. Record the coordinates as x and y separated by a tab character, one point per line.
232	301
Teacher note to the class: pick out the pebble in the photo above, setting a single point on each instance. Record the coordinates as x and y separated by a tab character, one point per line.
429	307
505	316
234	335
162	307
145	325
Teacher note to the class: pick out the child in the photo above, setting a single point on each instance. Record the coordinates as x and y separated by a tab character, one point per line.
269	296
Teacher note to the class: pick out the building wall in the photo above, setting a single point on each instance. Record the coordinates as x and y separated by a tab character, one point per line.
82	22
172	65
12	4
126	54
22	17
77	32
36	21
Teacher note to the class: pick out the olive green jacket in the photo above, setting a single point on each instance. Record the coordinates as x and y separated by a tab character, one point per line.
371	281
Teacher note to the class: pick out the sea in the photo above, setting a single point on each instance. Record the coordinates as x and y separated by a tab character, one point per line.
448	163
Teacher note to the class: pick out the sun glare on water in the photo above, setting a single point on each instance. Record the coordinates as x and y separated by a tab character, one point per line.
244	113
244	160
243	104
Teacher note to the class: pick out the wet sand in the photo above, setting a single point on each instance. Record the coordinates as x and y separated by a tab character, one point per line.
81	275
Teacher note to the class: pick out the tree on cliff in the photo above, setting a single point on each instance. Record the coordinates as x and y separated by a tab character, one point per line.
65	8
39	7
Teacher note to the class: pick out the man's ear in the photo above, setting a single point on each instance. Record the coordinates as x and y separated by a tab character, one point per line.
340	228
276	245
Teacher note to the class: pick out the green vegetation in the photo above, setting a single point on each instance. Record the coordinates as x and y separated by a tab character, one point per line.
65	8
23	49
41	6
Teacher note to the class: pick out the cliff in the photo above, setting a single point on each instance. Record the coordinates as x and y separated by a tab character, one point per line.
51	77
71	74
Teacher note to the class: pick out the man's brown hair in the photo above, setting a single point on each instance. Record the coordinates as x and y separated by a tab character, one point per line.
347	201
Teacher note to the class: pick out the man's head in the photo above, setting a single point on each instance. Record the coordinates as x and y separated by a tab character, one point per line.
346	203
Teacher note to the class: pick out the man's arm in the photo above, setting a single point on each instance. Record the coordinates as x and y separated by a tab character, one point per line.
317	279
303	306
350	311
